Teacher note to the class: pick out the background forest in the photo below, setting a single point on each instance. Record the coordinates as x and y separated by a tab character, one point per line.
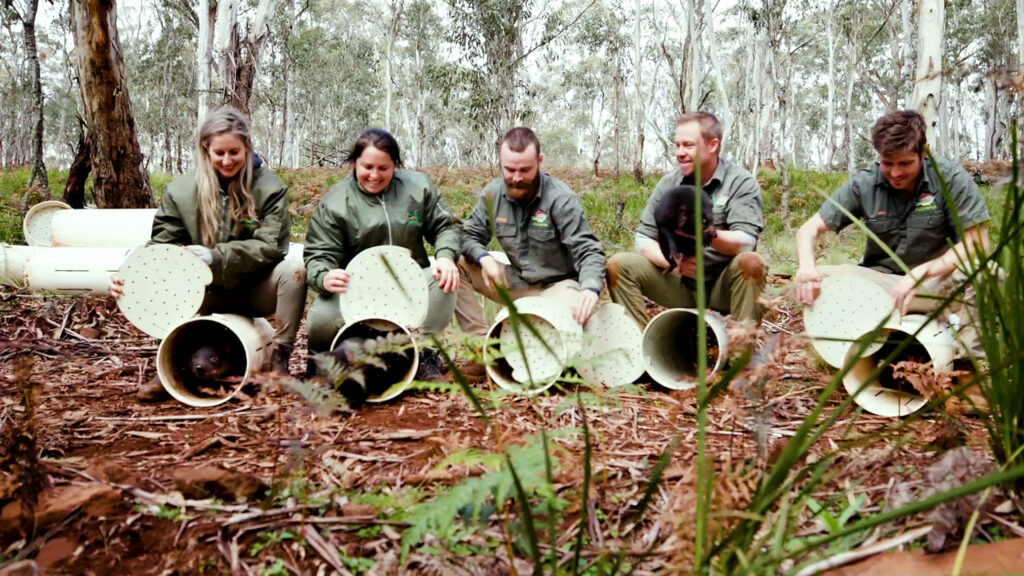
796	83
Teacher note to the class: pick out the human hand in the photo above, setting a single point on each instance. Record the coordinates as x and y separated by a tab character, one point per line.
116	286
201	252
584	306
493	273
336	280
903	292
447	274
710	233
687	266
808	285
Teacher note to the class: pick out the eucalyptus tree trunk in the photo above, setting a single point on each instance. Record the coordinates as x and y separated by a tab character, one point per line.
389	66
928	78
288	155
243	57
992	120
716	71
830	115
638	154
119	180
28	27
204	57
1020	34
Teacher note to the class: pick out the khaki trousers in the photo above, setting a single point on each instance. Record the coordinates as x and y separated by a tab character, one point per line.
282	293
324	317
631	276
469	312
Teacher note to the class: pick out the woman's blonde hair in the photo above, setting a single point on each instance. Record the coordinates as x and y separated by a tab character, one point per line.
223	120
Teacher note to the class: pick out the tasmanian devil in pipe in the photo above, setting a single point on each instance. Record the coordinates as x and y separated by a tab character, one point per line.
368	361
675	217
210	358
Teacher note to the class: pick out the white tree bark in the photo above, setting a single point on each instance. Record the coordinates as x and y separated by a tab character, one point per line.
716	70
830	115
1020	34
223	35
638	157
928	78
289	152
204	56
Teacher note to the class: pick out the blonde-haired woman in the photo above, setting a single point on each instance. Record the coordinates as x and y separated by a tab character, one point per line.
232	213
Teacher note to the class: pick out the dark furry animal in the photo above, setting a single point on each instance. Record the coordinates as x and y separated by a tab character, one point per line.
677	225
368	361
210	358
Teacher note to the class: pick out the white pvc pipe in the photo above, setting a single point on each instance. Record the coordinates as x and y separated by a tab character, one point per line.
252	343
934	343
72	270
12	263
36	226
534	366
395	388
670	346
106	227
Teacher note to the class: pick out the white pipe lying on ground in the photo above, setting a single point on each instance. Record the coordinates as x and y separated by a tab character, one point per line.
247	346
670	346
106	227
400	382
890	396
71	269
537	364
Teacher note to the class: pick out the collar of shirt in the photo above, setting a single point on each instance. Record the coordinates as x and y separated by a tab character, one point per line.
716	178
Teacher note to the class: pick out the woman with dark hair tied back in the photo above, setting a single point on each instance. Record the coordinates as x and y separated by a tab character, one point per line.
380	204
232	213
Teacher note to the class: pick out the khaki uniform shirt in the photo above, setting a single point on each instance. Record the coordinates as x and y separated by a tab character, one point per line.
546	239
918	227
736	197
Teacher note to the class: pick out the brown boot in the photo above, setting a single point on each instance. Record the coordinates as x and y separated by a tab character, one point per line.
279	359
152	392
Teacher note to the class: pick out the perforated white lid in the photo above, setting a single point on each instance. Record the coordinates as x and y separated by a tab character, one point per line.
39	221
164	285
612	352
385	283
848	307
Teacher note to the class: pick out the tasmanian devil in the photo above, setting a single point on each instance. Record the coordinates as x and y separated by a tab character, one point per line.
210	358
368	361
675	217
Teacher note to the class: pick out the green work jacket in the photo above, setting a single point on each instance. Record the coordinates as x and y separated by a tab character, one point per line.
546	239
247	251
349	220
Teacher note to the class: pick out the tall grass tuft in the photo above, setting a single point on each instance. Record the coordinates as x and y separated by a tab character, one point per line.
1000	299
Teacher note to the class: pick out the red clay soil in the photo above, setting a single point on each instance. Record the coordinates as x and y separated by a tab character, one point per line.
267	482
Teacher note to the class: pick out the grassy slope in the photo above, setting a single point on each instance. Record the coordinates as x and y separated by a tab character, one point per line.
612	204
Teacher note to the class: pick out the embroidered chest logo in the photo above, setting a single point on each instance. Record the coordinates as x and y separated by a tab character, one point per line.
412	217
721	200
925	202
540	219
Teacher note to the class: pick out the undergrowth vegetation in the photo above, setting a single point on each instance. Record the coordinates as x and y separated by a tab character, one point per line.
547	494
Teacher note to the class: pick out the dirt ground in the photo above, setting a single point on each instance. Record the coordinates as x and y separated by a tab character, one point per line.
265	484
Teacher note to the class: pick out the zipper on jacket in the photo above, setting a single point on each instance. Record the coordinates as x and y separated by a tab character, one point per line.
387	220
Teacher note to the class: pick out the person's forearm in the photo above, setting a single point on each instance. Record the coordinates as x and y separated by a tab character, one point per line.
805	248
731	242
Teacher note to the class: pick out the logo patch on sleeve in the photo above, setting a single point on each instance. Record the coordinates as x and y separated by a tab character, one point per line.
413	216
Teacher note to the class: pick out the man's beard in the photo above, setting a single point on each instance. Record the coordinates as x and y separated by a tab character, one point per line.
522	190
